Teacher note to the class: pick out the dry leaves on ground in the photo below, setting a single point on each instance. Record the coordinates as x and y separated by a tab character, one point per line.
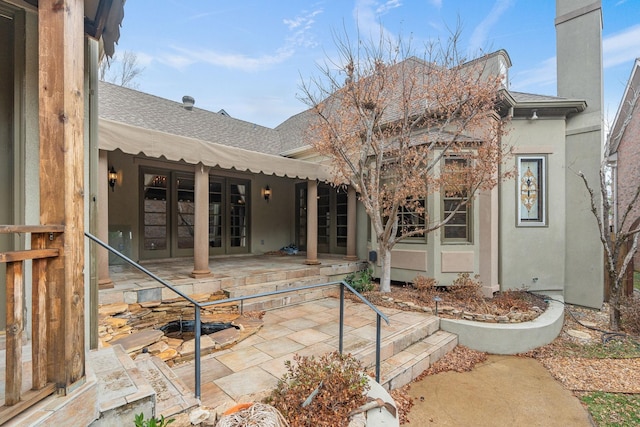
608	375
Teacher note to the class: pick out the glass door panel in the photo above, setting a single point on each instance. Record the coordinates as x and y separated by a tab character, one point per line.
238	217
155	242
216	216
301	216
185	210
324	218
341	219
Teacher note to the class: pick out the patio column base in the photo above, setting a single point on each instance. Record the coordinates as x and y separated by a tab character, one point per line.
197	274
351	258
312	262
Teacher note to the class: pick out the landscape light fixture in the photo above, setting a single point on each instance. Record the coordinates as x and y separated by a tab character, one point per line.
437	299
113	177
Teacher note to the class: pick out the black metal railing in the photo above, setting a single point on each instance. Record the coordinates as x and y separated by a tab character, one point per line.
199	306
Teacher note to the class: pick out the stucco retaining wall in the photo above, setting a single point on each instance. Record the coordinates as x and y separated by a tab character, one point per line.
509	338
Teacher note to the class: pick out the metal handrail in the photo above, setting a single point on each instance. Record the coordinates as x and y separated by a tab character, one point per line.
199	305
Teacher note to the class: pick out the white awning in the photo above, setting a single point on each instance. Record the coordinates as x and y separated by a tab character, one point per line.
135	140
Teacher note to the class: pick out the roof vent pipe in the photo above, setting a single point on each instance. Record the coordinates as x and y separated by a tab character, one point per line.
187	102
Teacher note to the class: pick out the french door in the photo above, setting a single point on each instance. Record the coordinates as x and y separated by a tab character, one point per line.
168	209
332	218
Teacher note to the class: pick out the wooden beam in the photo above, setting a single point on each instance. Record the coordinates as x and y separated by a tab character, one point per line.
29	399
29	254
15	326
52	228
39	316
61	111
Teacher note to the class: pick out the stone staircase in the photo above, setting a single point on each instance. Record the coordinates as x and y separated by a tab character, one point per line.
129	387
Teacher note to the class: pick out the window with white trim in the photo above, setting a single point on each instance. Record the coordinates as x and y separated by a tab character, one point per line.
458	228
531	191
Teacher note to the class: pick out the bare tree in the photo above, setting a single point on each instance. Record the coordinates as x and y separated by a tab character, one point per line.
628	229
123	69
398	128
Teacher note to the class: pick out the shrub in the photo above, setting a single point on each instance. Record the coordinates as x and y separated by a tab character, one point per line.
361	281
427	287
514	299
329	388
630	311
465	288
151	422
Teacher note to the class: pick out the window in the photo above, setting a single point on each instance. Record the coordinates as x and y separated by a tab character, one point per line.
531	191
411	218
458	228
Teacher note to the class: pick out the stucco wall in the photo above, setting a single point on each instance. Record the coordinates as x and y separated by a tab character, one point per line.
272	223
533	256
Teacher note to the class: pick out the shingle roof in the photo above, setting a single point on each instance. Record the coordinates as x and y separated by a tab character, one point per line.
532	97
147	111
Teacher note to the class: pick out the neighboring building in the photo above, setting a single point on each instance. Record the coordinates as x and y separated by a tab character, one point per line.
161	150
623	151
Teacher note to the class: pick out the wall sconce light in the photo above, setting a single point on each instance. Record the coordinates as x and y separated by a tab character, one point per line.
534	116
113	177
266	193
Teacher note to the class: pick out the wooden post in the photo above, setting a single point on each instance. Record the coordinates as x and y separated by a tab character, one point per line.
15	326
39	314
61	120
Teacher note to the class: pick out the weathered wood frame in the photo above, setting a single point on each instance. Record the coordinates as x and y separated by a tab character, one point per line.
42	385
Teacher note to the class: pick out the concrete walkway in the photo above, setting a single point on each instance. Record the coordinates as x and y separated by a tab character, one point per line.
503	391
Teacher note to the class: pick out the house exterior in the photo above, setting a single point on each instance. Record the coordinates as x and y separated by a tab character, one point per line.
623	151
192	183
545	243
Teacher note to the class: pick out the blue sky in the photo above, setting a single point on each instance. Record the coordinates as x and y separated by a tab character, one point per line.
247	56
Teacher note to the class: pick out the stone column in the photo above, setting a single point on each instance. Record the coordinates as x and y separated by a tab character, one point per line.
102	255
312	223
201	223
351	225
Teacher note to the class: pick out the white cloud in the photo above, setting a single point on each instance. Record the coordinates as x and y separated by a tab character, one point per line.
529	80
179	62
365	13
233	60
300	36
479	35
387	6
622	47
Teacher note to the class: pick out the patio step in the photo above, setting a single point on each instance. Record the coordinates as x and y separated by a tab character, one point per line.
282	300
128	387
408	352
123	392
172	396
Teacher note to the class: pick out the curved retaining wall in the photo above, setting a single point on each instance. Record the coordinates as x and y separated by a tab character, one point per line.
509	338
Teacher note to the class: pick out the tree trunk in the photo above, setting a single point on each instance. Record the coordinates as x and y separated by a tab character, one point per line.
385	274
614	308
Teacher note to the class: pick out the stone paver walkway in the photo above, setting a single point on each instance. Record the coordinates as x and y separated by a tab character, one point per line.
251	369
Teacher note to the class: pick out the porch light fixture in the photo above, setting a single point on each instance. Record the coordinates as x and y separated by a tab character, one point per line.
266	193
534	116
113	177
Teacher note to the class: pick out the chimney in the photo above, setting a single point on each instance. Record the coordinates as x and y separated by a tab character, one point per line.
187	102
